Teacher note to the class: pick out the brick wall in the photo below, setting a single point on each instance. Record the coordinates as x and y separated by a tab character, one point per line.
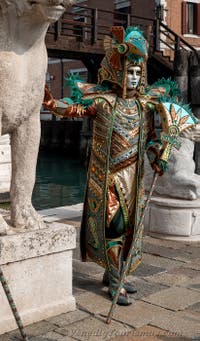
174	21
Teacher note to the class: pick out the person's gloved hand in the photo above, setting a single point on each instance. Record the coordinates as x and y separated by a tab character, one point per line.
159	166
48	102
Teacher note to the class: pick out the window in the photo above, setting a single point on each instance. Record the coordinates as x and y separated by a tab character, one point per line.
122	10
122	5
191	17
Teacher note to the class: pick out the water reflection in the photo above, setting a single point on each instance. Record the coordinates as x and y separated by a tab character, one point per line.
59	181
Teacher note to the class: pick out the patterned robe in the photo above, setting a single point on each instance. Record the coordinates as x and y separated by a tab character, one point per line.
121	130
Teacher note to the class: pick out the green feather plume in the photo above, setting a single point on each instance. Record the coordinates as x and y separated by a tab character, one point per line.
76	94
172	89
172	94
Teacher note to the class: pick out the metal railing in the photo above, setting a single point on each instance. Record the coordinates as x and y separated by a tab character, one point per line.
90	25
168	41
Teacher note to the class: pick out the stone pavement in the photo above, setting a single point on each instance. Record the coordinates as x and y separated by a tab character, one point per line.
165	307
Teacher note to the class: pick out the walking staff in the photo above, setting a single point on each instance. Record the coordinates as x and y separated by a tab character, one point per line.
13	306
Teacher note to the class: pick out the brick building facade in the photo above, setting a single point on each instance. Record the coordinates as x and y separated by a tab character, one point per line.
183	17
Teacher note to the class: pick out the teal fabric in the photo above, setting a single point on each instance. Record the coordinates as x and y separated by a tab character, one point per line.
117	225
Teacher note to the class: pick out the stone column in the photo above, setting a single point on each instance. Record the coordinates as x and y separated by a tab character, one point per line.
194	76
181	72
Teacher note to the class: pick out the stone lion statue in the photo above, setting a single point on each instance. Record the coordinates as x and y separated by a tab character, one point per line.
23	64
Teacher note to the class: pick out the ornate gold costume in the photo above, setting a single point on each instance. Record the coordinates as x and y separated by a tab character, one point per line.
122	128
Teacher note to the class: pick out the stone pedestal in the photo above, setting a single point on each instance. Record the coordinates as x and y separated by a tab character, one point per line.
176	219
38	268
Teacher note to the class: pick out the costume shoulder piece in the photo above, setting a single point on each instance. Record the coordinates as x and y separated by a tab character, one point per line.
85	93
163	90
163	96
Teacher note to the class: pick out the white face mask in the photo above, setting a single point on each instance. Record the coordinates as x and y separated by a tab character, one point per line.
133	77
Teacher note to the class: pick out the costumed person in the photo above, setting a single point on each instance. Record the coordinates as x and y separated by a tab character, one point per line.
123	129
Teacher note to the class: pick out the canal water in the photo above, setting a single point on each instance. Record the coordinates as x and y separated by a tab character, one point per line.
60	181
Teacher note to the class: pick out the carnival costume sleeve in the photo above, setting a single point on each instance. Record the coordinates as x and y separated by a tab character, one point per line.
160	91
84	98
66	107
154	146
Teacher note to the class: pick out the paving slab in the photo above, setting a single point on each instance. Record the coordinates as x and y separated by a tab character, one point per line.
39	328
167	252
193	283
144	270
88	268
86	283
144	288
176	324
149	333
68	318
161	261
94	329
168	279
195	307
185	271
153	338
34	332
174	244
195	264
189	315
174	298
136	315
12	336
94	303
192	250
51	336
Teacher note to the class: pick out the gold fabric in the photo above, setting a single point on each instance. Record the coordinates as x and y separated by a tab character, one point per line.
114	253
127	180
124	157
112	203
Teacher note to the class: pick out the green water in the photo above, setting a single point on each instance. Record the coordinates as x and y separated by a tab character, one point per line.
60	181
